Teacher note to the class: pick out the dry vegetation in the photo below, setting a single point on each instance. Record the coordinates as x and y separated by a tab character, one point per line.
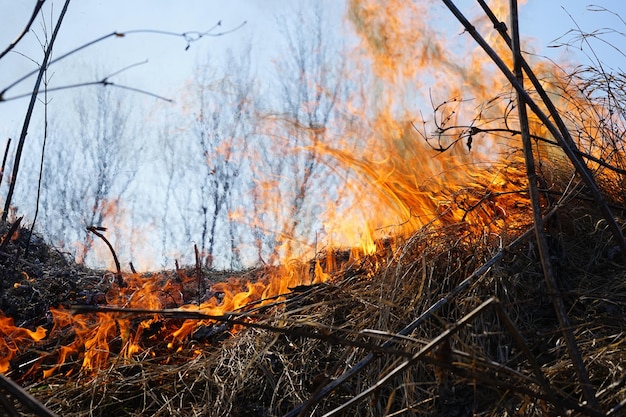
492	345
453	320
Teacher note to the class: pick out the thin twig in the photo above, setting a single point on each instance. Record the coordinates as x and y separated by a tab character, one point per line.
33	16
42	160
4	160
126	68
103	82
96	231
29	112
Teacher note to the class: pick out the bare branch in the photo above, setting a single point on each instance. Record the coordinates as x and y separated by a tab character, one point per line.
25	398
96	231
17	40
4	159
189	37
29	112
103	82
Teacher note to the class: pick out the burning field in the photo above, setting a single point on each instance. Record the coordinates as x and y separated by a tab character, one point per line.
488	277
451	320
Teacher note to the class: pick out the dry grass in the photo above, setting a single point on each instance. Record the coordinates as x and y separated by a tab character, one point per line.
490	345
321	332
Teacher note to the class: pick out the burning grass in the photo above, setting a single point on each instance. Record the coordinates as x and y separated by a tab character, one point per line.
415	320
456	313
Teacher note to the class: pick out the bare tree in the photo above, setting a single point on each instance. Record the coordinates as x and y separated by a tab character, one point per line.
222	145
176	229
311	75
89	167
219	106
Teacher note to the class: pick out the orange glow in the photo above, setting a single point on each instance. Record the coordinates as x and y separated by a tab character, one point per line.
14	339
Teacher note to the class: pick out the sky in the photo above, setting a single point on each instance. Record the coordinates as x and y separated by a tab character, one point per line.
167	63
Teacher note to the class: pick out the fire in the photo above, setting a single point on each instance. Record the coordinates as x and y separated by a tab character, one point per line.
401	172
94	334
14	340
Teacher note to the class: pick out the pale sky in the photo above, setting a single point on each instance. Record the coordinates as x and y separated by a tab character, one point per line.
168	62
170	65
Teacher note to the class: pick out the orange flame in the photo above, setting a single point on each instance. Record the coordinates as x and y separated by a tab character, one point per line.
14	339
401	181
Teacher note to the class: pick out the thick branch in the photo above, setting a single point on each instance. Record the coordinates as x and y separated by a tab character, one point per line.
561	133
25	398
542	242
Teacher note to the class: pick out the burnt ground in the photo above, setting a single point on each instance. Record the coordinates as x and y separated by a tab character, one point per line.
35	277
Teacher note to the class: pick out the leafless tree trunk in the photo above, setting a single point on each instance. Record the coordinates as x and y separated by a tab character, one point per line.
89	167
311	84
220	106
